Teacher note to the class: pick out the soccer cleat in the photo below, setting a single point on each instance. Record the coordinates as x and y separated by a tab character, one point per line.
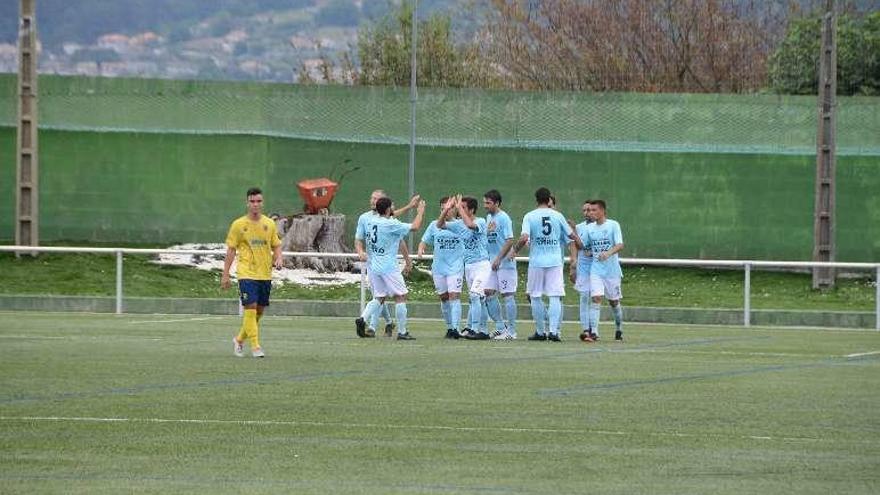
258	353
389	329
237	347
495	333
478	336
554	337
586	336
467	333
594	336
618	335
537	336
360	327
405	336
504	336
369	333
452	334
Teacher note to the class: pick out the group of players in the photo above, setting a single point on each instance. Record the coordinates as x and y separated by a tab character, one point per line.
482	252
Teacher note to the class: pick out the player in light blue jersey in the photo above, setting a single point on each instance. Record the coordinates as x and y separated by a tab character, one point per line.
359	236
477	269
385	235
503	279
545	231
579	273
447	268
605	240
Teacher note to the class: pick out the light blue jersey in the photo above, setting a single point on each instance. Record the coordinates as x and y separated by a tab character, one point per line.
602	238
361	230
448	250
548	232
474	240
383	236
499	229
585	257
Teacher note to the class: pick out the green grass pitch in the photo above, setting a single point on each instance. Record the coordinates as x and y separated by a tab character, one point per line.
98	404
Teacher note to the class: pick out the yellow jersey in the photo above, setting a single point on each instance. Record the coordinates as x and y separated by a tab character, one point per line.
253	242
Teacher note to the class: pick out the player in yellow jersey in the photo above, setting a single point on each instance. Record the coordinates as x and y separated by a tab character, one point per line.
254	239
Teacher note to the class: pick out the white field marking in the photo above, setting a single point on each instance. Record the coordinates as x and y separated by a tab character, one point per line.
490	429
860	354
178	320
738	353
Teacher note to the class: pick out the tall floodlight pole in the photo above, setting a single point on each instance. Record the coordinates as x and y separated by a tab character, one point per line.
823	217
26	214
413	97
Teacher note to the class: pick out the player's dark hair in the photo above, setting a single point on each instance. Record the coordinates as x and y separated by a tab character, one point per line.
600	203
471	203
382	205
253	192
542	196
443	200
493	195
588	201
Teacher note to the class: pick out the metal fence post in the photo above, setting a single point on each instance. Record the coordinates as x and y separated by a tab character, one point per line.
747	295
877	300
119	282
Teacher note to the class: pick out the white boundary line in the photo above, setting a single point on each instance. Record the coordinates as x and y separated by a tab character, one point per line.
177	320
860	354
562	431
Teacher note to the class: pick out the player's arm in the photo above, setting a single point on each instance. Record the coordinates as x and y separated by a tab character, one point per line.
466	216
604	255
413	202
420	214
523	240
404	251
277	258
449	205
572	261
227	265
359	248
502	253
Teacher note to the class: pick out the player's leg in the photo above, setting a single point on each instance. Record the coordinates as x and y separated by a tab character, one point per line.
555	290
597	290
614	296
397	287
373	307
507	284
535	289
478	274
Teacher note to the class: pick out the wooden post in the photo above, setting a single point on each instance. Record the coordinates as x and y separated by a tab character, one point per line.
27	170
823	218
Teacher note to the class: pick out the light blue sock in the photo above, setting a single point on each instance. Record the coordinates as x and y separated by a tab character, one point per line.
493	310
455	313
617	311
510	306
594	317
386	313
484	315
400	312
373	322
555	314
446	309
475	312
584	310
370	309
538	314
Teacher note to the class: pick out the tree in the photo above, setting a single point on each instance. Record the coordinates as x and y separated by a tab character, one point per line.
794	66
384	50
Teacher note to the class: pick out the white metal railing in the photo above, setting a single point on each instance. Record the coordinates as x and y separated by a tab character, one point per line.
746	265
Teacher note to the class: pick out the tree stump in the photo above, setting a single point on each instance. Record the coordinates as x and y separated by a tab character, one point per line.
316	233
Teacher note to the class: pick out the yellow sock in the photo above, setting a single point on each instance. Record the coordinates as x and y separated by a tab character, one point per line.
249	325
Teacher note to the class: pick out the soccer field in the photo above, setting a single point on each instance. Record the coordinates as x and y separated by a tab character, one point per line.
158	404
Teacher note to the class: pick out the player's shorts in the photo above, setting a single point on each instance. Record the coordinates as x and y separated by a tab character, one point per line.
447	283
254	292
582	283
503	281
477	274
387	284
608	287
545	282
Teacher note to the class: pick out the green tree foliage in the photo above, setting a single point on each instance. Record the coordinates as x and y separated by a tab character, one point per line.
384	51
794	66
